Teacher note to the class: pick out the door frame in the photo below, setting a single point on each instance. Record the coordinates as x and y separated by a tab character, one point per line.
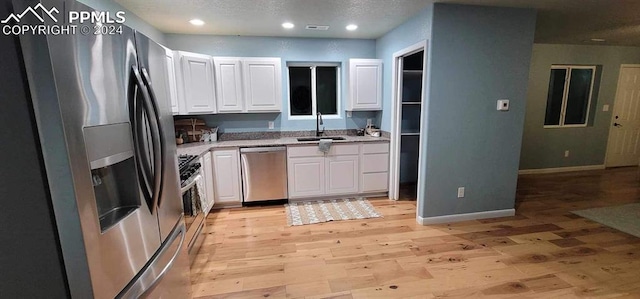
396	118
612	109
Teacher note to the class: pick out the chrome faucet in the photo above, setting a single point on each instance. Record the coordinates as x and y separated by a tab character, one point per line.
318	123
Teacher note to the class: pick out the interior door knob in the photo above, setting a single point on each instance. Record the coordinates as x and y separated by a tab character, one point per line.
617	125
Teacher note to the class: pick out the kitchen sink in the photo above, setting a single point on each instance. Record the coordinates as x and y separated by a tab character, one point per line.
318	138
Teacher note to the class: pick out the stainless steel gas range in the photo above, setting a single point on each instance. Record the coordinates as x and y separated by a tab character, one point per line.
193	201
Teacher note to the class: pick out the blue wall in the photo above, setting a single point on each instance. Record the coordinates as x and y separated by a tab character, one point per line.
478	55
415	30
290	50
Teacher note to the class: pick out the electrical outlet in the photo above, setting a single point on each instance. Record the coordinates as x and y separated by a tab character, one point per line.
369	122
566	154
460	192
349	114
605	108
503	105
270	125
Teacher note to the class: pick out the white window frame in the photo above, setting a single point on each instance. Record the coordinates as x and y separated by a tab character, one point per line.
565	95
314	108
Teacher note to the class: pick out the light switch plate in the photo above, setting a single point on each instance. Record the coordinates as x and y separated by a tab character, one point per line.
503	105
270	125
605	108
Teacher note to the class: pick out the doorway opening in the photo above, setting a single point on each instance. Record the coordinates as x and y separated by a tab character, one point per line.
409	77
623	147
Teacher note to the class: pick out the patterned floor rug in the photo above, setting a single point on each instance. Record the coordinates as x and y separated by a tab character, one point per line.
310	212
624	218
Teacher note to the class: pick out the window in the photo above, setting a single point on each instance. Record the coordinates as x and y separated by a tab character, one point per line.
569	97
313	87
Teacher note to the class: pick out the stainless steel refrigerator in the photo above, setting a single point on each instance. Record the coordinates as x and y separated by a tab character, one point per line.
103	115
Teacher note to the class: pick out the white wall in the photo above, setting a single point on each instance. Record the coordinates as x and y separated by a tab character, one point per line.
132	20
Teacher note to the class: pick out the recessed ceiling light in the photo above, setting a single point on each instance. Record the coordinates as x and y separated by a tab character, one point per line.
288	25
196	22
352	27
598	40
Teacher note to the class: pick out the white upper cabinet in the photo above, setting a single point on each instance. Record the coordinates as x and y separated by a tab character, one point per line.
205	85
228	84
365	84
195	83
262	84
171	81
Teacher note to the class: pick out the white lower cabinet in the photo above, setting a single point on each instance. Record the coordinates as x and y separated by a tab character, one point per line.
341	174
375	182
312	173
226	169
207	176
306	176
374	173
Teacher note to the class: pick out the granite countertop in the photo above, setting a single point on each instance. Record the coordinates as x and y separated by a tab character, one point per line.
198	148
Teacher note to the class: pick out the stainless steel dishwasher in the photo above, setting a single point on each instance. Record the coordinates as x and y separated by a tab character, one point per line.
264	173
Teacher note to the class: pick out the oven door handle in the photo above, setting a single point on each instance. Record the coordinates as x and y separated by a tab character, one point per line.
188	186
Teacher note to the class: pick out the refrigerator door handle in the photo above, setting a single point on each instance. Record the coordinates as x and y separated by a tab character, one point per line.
159	150
136	116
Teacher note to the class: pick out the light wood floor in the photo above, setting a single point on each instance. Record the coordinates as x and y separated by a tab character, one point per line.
542	252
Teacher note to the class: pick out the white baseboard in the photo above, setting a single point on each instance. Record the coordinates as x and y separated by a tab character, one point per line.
465	217
561	169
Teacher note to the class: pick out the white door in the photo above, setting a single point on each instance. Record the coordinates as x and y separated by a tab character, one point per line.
262	84
197	83
342	174
226	168
622	148
228	84
207	165
365	84
171	81
306	176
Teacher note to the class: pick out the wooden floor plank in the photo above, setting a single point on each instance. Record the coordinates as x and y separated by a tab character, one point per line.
544	251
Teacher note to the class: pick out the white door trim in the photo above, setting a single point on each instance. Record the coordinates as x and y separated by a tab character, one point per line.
396	92
612	109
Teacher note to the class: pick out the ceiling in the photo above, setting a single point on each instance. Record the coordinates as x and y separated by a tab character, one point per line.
559	21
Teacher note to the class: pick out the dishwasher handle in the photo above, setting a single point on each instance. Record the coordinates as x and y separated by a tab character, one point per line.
262	149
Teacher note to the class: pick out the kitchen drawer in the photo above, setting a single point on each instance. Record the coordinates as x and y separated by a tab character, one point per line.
304	151
377	181
344	149
375	148
312	151
375	163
